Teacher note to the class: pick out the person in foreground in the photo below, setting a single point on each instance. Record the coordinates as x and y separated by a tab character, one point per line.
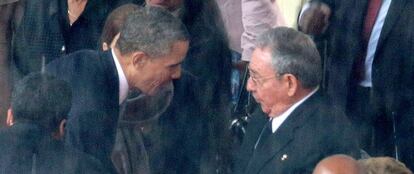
147	57
34	141
338	164
298	127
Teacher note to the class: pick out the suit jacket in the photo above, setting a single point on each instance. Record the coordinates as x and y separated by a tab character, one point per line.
44	31
93	118
25	147
173	142
314	130
392	69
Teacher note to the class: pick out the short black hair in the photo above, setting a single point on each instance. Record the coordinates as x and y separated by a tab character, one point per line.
114	22
41	99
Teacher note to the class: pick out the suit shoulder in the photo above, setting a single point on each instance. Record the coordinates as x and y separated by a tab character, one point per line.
328	110
80	55
74	61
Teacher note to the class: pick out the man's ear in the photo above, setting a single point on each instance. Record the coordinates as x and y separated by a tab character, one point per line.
10	118
62	126
105	46
292	84
61	130
139	58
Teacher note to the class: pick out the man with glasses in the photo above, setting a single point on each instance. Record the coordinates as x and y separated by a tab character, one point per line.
298	126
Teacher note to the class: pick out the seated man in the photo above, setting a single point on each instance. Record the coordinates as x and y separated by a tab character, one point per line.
298	127
34	142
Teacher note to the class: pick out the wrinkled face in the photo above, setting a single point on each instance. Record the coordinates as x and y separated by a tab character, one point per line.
170	5
151	74
269	90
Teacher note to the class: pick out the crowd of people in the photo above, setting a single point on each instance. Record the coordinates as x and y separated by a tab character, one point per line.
144	86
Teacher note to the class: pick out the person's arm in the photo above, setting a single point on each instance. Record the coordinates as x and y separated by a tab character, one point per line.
6	16
315	15
257	16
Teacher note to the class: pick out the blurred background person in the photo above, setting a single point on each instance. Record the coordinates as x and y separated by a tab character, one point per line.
37	31
209	60
261	15
232	18
383	165
369	69
53	28
258	16
7	14
34	141
290	9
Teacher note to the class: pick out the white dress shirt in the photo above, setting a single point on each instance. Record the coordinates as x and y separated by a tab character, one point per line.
123	83
373	42
278	120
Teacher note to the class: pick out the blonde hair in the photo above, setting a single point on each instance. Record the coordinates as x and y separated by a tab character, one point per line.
383	165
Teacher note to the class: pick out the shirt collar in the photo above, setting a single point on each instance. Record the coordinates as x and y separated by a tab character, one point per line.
277	121
123	83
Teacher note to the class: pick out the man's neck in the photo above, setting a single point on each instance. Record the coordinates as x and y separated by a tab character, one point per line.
119	57
298	97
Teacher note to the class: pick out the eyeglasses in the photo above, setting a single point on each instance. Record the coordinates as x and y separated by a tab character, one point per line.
259	81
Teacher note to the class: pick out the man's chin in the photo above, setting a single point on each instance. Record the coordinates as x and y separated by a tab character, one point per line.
265	109
159	88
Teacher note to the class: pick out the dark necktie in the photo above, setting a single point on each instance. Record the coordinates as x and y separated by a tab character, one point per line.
370	18
372	13
265	133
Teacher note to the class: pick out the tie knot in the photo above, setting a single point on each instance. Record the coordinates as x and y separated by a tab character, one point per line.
264	134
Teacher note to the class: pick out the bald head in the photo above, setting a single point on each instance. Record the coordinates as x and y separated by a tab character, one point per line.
337	164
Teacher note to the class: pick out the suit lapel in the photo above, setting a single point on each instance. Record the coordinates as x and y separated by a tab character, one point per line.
393	14
283	136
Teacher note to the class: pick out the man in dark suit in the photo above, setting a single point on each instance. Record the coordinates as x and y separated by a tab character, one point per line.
298	126
34	142
147	56
370	69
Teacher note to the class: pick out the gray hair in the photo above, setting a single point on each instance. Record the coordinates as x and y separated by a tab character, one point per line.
151	30
384	165
293	53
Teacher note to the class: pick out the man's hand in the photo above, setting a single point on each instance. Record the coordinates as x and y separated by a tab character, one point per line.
315	19
6	16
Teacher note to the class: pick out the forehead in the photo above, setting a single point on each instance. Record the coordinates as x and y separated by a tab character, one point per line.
260	62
